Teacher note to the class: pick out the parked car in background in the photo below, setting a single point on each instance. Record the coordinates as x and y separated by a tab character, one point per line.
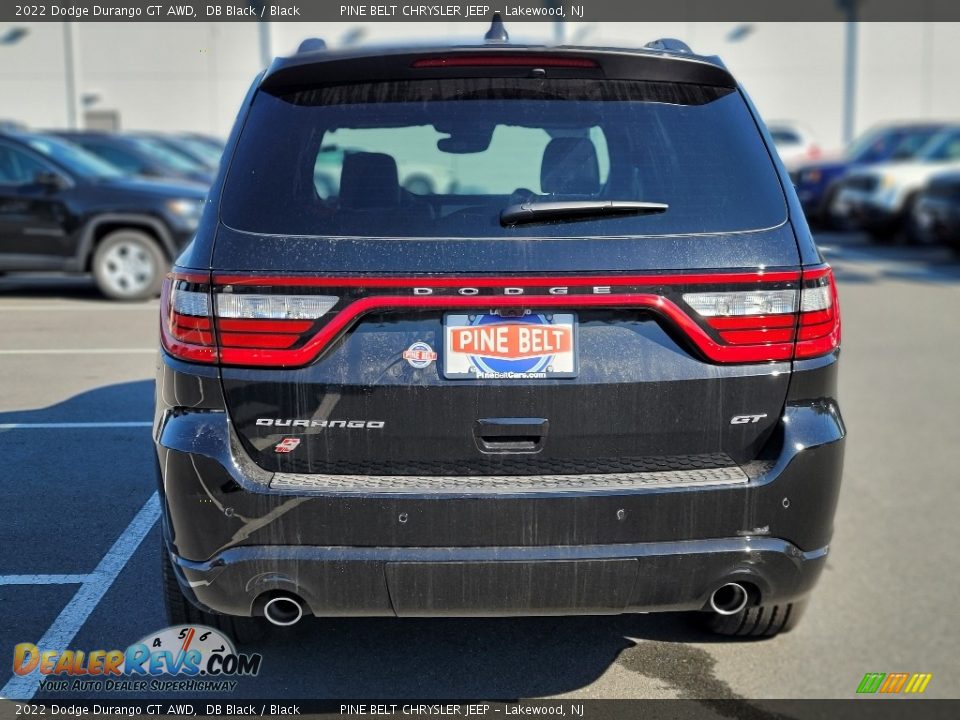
194	151
817	183
210	141
880	199
11	126
211	151
64	209
936	212
139	156
795	144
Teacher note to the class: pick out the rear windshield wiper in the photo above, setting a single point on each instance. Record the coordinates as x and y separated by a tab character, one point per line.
574	210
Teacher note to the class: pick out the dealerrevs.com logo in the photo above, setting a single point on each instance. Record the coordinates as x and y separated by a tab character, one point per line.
199	657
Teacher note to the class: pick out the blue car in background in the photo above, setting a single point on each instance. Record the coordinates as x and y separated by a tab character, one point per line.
818	182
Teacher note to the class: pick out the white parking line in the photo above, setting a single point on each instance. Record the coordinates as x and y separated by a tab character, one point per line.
73	425
88	596
78	306
43	579
78	351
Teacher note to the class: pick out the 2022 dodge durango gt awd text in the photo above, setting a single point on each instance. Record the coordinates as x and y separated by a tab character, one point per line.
596	374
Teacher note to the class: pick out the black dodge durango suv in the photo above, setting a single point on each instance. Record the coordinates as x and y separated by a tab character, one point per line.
594	372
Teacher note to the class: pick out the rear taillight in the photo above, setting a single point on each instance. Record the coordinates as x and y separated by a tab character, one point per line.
819	331
236	328
776	323
250	324
186	329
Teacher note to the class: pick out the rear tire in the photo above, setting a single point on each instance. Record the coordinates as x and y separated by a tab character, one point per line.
911	231
758	620
129	265
181	611
830	219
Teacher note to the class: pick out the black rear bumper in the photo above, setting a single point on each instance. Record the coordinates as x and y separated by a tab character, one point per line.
233	540
492	581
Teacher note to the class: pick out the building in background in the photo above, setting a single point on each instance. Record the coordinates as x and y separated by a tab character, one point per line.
193	76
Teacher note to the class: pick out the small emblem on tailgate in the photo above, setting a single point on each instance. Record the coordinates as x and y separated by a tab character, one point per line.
745	419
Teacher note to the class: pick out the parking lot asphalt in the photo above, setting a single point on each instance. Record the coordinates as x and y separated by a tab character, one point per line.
79	540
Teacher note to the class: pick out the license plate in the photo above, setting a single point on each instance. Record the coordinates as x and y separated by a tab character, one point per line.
534	346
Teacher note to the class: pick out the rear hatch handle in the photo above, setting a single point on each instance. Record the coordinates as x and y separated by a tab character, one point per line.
510	434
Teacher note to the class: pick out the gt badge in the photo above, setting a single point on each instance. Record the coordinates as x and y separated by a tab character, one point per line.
419	355
287	445
746	419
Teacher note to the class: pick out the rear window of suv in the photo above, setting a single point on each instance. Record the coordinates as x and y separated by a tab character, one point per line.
444	158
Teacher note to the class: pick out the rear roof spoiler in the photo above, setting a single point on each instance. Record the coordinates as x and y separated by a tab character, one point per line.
663	64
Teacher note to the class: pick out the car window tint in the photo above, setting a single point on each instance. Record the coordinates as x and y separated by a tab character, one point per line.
18	167
443	158
128	162
423	169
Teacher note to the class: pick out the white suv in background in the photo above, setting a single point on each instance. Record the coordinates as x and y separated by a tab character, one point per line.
880	198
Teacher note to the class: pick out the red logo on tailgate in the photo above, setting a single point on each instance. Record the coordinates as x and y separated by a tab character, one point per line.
512	341
287	445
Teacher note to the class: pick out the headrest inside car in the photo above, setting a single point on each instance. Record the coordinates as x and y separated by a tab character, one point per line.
369	181
570	167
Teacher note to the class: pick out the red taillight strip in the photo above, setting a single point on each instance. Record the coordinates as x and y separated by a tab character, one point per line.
754	337
495	60
189	321
819	332
176	346
817	273
257	340
752	322
511	281
263	326
190	277
195	337
656	303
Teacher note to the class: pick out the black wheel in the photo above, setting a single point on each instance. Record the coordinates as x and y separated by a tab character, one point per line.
830	218
129	265
912	232
757	620
181	611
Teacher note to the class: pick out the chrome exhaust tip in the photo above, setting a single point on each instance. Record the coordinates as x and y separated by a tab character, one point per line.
283	610
729	599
